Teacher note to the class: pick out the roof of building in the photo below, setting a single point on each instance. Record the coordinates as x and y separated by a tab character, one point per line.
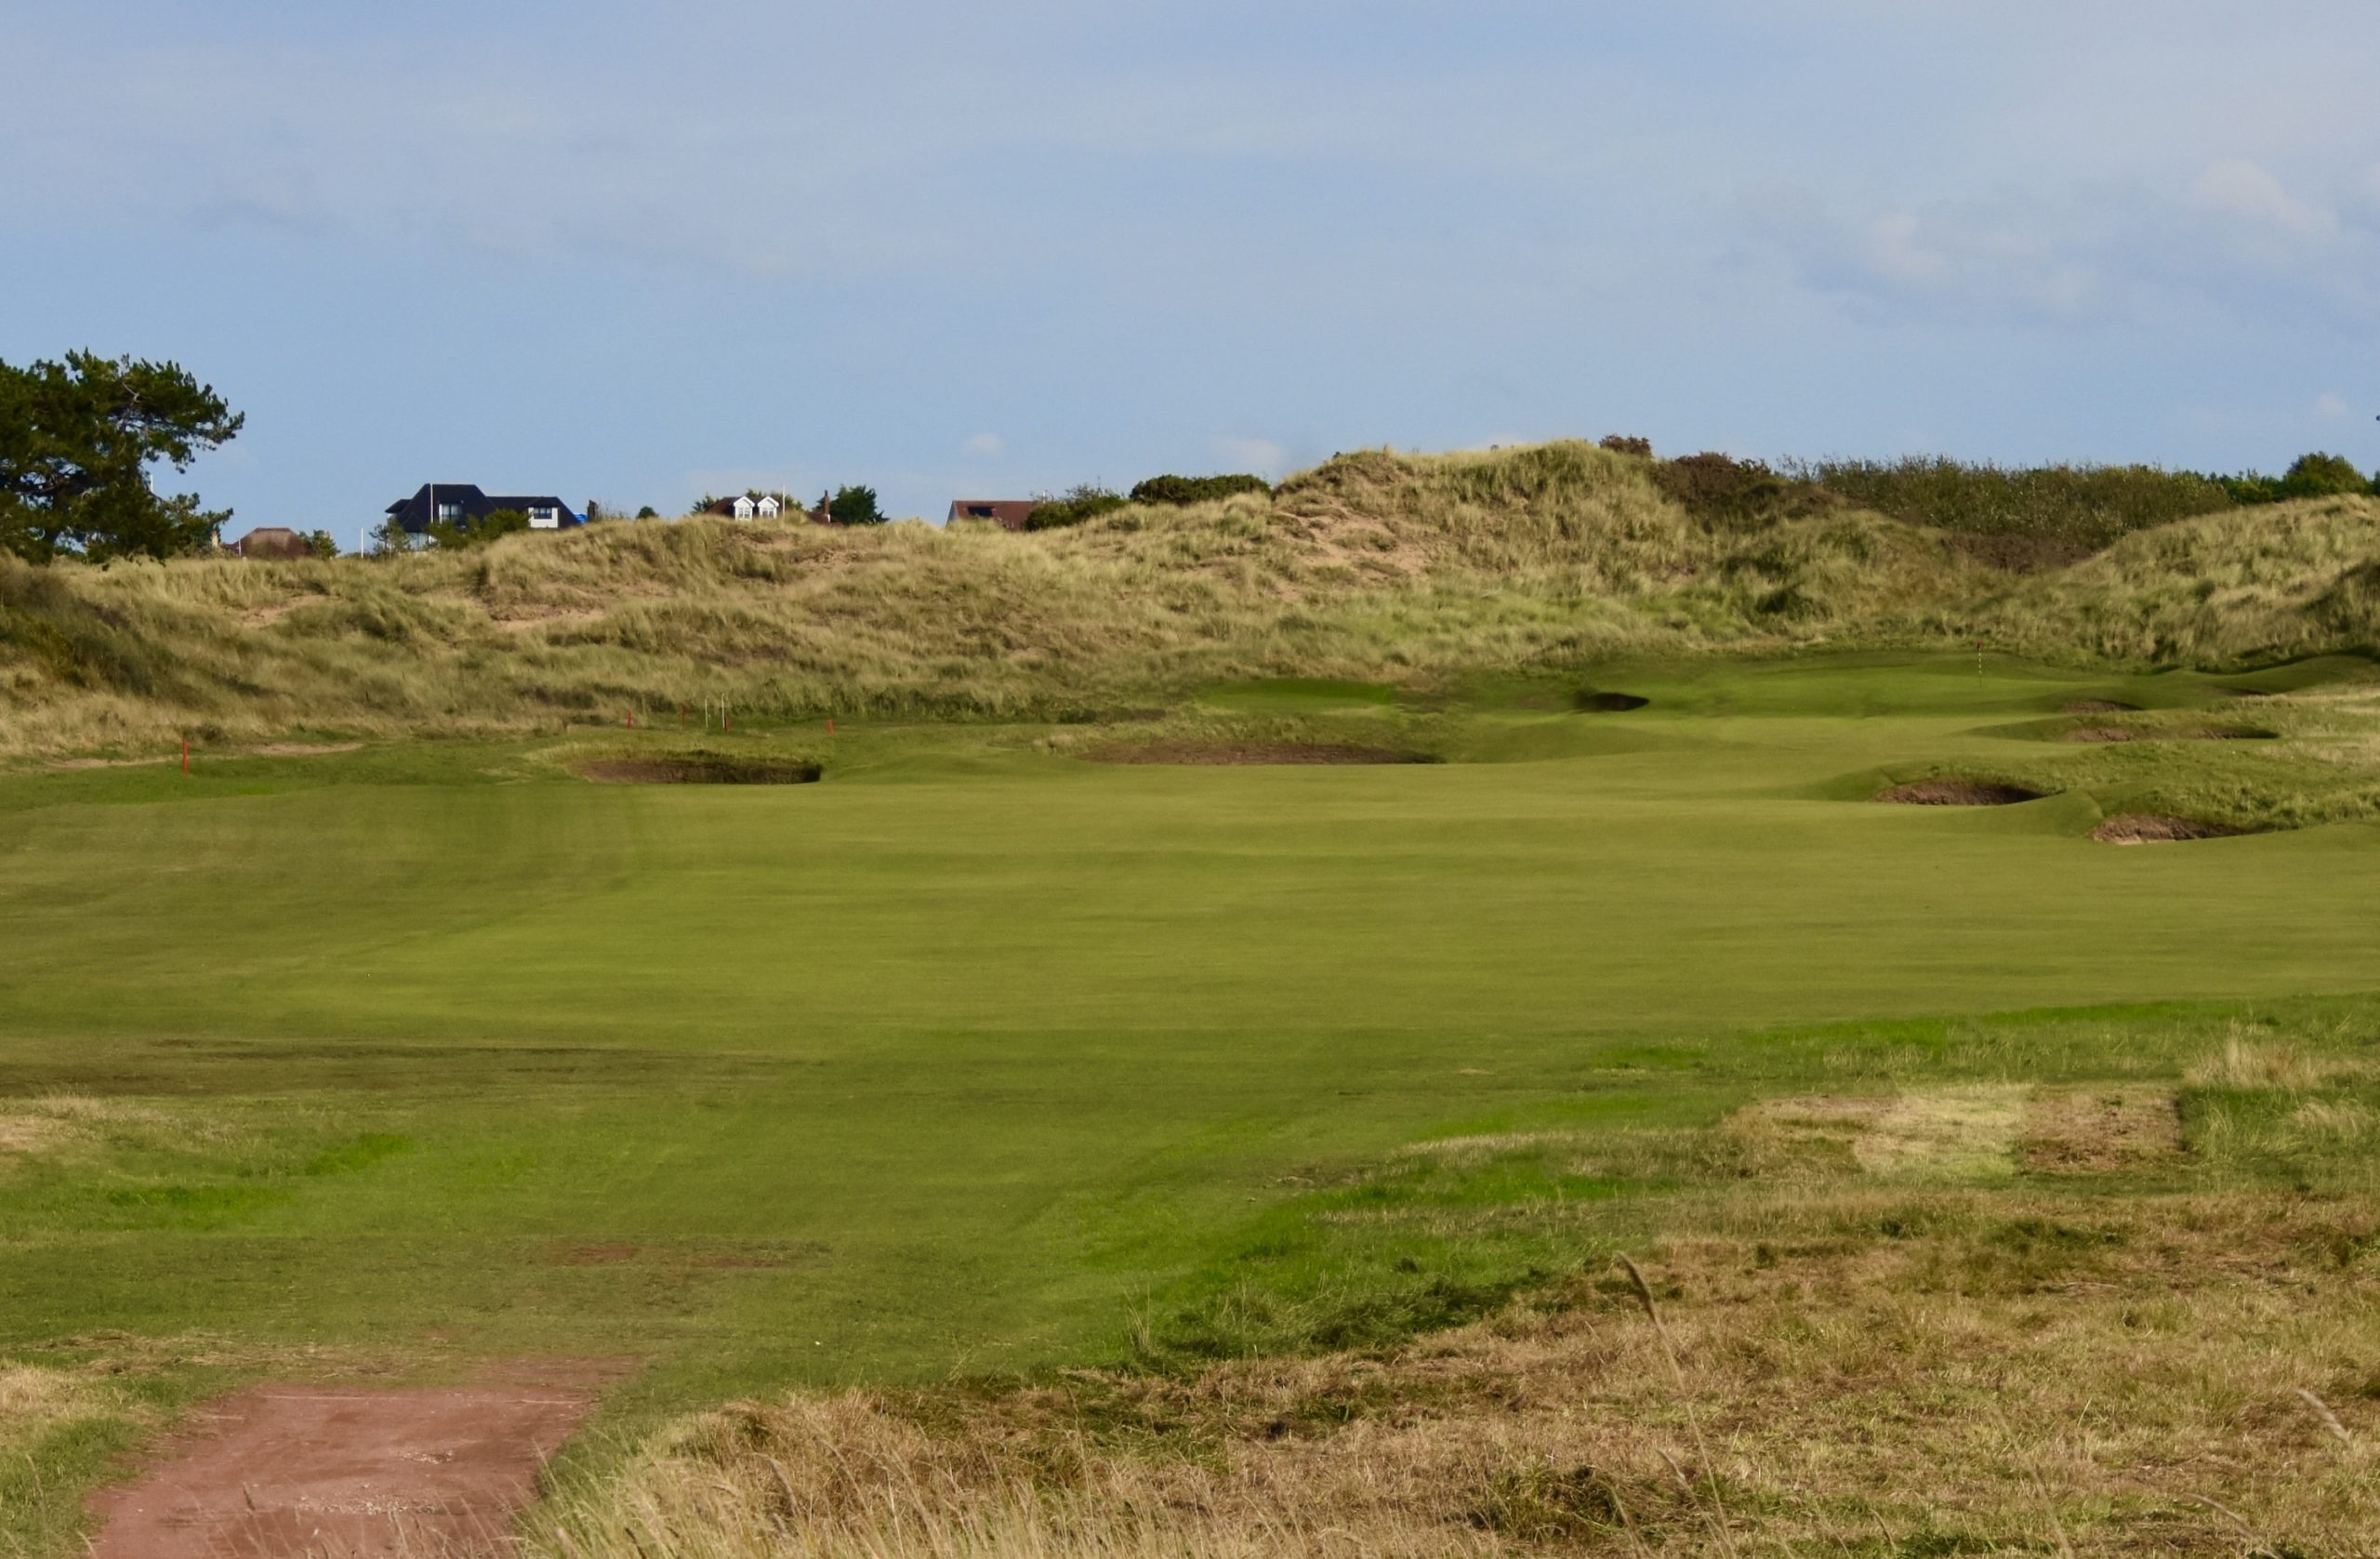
1010	513
416	513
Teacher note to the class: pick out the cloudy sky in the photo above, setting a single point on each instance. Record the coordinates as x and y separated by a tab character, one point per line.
638	251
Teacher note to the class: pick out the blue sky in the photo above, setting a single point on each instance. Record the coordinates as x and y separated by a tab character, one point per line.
635	252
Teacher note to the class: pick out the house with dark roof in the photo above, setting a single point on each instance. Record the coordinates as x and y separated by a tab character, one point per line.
460	503
1007	514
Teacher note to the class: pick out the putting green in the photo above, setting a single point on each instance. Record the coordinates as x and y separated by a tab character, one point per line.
936	1064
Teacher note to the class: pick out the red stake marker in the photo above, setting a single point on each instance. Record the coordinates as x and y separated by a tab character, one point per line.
830	725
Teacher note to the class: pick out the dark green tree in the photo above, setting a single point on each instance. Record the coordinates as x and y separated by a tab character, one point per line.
76	441
855	506
480	532
321	544
2323	476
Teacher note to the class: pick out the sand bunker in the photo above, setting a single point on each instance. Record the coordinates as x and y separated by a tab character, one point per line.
2099	707
1588	702
278	1472
1257	753
700	771
2207	734
305	749
1958	793
2141	828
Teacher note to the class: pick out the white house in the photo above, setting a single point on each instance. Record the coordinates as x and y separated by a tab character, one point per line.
748	507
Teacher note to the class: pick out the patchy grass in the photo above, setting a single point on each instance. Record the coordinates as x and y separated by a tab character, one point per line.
2092	1336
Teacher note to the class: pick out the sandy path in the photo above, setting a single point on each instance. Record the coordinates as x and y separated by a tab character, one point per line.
277	1472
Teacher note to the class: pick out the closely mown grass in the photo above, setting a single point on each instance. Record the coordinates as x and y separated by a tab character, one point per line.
1414	570
1230	1086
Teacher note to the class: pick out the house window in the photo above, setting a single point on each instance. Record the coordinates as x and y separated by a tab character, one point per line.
543	517
449	515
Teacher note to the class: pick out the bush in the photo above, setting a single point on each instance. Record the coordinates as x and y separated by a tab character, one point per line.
2324	476
469	532
2071	508
1087	501
1738	494
1623	444
1198	489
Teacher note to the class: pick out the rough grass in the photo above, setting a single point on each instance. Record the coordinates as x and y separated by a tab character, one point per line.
1409	569
1981	1318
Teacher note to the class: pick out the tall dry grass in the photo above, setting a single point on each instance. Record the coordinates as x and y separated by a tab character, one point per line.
1378	566
2008	1379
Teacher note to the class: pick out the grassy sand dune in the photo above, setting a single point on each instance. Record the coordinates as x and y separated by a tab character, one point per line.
1404	568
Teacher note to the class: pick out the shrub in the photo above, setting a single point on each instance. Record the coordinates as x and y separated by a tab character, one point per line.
1087	501
2324	476
479	533
2064	508
1624	444
1198	489
1740	495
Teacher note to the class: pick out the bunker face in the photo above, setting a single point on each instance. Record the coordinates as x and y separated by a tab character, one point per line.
1589	702
2135	827
1958	793
699	771
2099	707
1258	753
2123	734
278	1472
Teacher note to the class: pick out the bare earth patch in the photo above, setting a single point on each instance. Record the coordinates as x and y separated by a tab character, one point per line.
305	749
1958	793
278	1472
2140	827
1257	753
2100	1128
2099	707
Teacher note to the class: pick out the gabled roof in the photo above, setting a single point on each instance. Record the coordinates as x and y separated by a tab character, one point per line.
1009	513
416	512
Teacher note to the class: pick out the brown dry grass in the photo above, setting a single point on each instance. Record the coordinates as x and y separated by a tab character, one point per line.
2000	1375
1380	566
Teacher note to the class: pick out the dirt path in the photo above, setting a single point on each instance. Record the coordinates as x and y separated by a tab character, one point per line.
280	1472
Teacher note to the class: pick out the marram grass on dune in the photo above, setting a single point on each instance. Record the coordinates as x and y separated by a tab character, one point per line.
1383	566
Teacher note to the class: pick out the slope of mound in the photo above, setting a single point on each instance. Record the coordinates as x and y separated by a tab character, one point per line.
2288	580
1375	567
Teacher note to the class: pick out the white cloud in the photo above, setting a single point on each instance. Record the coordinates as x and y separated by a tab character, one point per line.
2332	407
2238	189
1261	456
1896	251
988	446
